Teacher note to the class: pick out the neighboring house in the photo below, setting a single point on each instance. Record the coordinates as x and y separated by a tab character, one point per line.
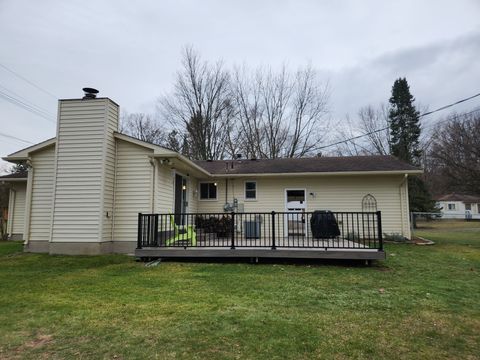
16	204
459	206
85	187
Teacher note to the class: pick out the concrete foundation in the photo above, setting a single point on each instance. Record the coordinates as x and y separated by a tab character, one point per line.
78	248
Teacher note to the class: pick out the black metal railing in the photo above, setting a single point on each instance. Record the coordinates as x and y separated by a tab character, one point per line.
342	230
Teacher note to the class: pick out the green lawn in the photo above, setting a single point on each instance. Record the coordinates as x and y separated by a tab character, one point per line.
422	303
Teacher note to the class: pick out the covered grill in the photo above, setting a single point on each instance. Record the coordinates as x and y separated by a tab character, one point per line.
324	225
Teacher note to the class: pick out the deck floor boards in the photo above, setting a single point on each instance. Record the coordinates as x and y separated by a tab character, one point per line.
286	248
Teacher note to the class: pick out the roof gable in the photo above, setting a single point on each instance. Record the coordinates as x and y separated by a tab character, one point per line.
156	148
23	154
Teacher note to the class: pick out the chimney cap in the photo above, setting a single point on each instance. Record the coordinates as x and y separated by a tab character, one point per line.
90	93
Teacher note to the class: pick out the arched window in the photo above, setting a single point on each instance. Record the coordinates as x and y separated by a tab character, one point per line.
369	203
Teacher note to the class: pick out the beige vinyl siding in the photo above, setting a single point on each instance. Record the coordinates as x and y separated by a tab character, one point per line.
164	191
217	205
17	211
192	195
79	171
43	163
336	193
111	126
133	188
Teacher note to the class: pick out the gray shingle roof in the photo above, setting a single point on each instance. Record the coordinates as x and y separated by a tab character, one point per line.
19	175
459	197
307	165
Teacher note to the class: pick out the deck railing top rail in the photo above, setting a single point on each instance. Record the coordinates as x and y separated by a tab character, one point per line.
318	229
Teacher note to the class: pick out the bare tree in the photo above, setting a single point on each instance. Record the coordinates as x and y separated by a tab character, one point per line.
349	139
247	89
309	105
200	106
374	123
279	114
143	127
456	151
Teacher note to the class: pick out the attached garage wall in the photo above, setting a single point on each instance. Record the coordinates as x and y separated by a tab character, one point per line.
134	175
43	163
336	193
16	214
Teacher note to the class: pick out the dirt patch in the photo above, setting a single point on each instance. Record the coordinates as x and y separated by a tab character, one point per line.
39	341
383	269
417	240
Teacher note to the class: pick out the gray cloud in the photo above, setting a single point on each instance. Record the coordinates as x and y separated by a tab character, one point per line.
131	50
438	73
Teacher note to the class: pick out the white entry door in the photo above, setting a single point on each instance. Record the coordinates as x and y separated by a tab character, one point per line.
295	206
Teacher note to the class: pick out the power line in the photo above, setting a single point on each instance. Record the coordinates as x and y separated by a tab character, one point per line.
26	106
387	127
29	82
12	94
427	144
14	138
450	105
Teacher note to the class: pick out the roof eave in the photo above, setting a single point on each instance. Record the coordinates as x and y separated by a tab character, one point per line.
331	173
186	160
13	180
139	142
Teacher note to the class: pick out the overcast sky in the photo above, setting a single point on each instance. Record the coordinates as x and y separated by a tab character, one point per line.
130	50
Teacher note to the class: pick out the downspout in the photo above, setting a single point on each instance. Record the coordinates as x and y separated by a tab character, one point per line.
402	200
152	192
114	206
226	190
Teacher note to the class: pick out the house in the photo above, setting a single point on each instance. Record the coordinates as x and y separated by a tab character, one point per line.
459	206
85	188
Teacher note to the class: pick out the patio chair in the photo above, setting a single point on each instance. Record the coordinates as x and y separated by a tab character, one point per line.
182	233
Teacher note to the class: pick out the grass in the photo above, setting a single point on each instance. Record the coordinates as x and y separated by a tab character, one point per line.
422	303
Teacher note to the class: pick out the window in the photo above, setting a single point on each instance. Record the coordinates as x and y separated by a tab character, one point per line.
468	207
369	203
208	191
451	206
250	190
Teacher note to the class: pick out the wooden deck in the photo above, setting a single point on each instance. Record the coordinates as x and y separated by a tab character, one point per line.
252	248
313	235
212	252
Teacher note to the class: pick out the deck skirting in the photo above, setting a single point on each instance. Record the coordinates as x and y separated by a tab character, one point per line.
350	254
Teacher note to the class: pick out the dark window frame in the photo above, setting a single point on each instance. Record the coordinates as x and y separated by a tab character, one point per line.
211	186
246	191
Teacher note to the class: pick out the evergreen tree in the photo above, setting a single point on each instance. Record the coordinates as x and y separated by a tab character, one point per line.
19	168
404	124
405	131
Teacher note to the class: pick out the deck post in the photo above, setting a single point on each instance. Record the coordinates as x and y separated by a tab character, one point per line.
139	233
380	232
155	229
232	230
273	231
